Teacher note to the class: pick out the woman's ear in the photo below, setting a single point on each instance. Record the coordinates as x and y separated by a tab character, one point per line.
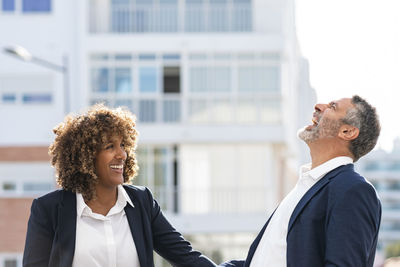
348	132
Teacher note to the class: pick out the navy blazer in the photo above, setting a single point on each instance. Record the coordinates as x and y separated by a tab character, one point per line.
336	223
50	239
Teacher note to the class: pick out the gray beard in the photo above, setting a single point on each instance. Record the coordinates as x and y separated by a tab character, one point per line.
327	128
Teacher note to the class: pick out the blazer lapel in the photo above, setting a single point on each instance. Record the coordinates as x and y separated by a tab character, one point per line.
312	191
66	228
135	224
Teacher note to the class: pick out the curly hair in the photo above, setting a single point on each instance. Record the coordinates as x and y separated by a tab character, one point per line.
364	117
78	140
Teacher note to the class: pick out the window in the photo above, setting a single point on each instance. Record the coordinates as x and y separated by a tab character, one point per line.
198	79
147	110
37	187
100	79
171	110
218	13
36	5
38	98
123	83
171	80
9	98
8	5
158	171
10	263
148	79
198	111
124	103
9	186
212	79
259	79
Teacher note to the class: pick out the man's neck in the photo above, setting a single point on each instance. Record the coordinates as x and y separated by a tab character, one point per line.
321	152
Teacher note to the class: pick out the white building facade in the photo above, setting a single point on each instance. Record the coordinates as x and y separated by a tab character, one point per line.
219	89
382	169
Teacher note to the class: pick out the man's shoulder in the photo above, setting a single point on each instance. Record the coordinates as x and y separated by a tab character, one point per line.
347	179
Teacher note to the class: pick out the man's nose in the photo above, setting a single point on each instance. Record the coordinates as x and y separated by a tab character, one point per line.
321	107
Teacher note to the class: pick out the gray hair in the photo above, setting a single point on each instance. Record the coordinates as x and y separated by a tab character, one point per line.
364	117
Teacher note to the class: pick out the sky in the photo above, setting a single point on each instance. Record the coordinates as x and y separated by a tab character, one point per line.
353	47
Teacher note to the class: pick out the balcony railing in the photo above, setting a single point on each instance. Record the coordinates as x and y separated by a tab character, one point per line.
240	109
129	17
214	200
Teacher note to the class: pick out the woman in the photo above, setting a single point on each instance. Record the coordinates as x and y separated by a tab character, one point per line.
94	220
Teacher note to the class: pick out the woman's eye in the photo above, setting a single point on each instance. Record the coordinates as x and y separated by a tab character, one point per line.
122	145
109	146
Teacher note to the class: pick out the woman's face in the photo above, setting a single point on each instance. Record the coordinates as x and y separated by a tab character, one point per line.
110	161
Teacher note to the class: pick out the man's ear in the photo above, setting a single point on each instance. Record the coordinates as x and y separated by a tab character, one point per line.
348	132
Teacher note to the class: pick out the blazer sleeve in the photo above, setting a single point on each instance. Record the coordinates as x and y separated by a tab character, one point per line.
353	227
170	244
39	237
232	263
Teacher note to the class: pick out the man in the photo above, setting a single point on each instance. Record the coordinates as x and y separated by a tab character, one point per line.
332	216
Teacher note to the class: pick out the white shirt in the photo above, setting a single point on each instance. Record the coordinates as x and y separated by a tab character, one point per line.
271	251
104	241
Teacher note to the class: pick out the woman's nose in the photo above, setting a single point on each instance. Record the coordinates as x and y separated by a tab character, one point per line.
121	153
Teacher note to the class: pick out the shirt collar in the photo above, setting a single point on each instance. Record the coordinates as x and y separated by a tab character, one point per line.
319	171
122	201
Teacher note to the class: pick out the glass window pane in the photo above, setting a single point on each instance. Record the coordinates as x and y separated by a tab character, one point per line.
222	111
246	111
270	111
39	98
36	5
142	158
147	110
266	79
147	57
37	187
123	81
148	79
218	16
167	17
198	79
9	186
171	57
171	80
106	102
198	111
171	111
9	98
99	57
194	16
221	79
242	15
124	103
121	16
245	79
10	263
8	5
123	57
100	78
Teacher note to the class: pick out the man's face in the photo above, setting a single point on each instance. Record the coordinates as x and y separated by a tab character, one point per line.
326	120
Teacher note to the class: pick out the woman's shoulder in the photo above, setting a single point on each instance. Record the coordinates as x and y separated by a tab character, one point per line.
55	197
136	189
141	193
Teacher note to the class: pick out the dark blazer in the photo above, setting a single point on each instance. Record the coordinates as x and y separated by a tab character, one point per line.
336	223
50	239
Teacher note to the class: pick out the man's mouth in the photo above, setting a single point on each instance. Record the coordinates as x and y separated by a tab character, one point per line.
315	121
